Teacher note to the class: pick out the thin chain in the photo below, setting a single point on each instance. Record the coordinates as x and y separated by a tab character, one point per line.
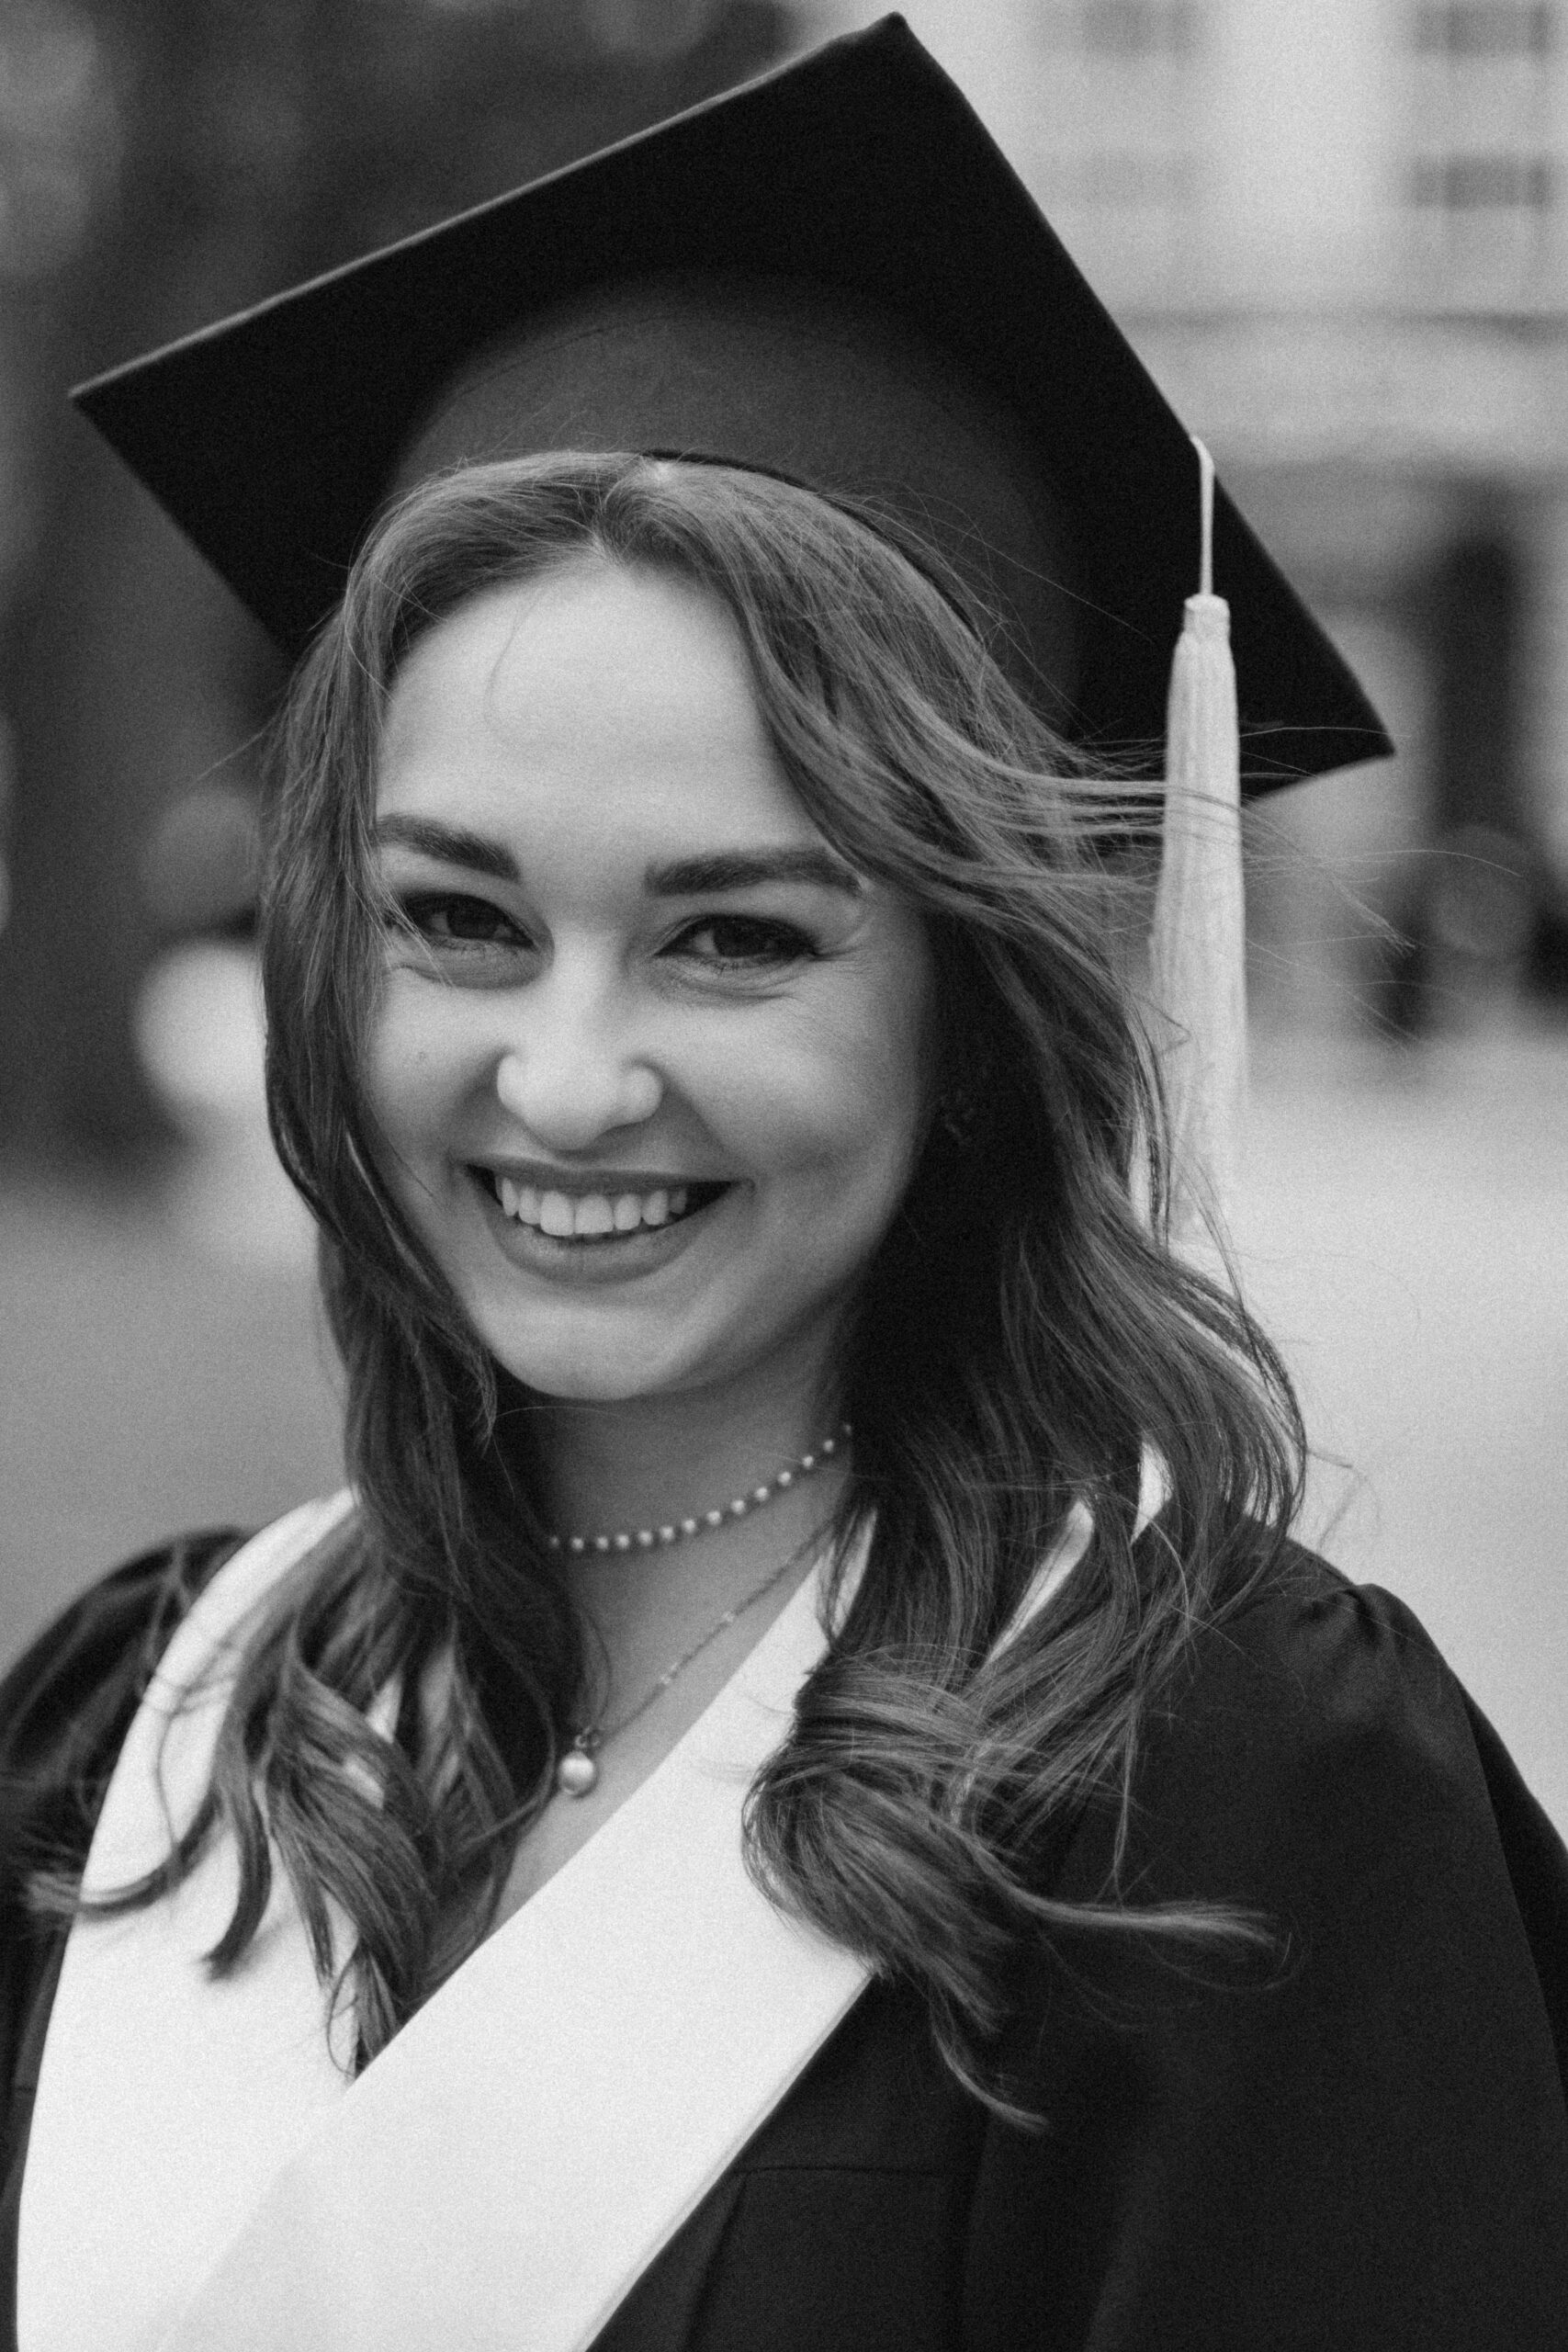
598	1733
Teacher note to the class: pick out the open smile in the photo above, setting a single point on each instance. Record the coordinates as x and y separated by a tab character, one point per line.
610	1229
598	1216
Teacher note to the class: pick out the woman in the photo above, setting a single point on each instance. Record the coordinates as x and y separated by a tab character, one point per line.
808	1798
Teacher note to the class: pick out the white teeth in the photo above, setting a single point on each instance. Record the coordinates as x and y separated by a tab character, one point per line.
556	1214
590	1215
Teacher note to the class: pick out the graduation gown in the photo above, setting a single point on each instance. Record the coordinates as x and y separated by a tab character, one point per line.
1363	2143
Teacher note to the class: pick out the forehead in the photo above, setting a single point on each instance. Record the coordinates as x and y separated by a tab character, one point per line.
616	695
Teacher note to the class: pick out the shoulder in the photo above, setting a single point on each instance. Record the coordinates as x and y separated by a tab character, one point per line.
1304	1637
1353	2126
65	1706
1318	1767
1314	1737
66	1701
1311	1664
103	1644
1307	1671
117	1613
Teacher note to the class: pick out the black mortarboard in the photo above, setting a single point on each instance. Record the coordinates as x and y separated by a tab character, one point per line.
831	273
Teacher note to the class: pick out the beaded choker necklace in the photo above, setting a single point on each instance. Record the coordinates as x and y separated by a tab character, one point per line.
676	1530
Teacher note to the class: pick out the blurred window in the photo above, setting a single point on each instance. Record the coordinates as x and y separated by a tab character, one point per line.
1115	159
1465	183
1130	29
1482	179
59	135
1486	27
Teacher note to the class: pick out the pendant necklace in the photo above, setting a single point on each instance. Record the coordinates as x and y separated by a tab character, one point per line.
577	1769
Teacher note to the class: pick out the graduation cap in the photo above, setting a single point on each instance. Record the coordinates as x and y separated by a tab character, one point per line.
866	249
831	274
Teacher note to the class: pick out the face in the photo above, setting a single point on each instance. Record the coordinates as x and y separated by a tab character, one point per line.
649	1066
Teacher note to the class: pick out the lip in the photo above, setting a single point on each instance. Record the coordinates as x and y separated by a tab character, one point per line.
581	1186
615	1258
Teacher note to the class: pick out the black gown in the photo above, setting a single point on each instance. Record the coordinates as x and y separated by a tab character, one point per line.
1362	2145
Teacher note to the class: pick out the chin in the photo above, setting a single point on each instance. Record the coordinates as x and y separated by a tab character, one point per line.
587	1381
617	1359
601	1367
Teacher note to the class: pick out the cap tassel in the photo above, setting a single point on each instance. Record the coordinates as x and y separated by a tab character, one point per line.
1198	948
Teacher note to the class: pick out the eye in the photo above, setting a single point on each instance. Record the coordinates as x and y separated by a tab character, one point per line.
451	918
736	943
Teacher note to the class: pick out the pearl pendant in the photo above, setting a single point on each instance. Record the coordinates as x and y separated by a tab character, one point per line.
576	1772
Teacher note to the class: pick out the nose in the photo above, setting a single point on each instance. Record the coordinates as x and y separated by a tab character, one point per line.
574	1077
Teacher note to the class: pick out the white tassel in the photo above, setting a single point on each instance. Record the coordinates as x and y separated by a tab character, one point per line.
1198	947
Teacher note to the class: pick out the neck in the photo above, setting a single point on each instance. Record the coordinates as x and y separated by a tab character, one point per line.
617	1467
646	1462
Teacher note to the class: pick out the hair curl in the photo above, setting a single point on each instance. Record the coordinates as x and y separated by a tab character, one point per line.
1023	1336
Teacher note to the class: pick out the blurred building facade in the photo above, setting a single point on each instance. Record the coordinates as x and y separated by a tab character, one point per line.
1338	231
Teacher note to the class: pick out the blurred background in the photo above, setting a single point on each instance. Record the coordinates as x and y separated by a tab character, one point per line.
1338	233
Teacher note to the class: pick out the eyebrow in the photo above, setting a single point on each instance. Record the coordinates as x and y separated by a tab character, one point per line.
451	844
683	877
693	877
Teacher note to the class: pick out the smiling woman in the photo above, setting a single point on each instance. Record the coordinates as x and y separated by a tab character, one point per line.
805	1800
699	1062
717	953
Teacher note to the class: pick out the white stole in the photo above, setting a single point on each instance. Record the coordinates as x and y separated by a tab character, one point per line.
166	2101
201	2175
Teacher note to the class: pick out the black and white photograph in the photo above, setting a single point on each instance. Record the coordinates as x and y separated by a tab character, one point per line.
783	1176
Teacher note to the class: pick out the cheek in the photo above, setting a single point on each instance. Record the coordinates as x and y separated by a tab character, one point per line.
844	1110
414	1078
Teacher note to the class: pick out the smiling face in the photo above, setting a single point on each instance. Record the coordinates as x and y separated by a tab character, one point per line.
649	1066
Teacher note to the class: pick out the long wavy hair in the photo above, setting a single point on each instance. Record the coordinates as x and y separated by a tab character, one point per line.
1024	1335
